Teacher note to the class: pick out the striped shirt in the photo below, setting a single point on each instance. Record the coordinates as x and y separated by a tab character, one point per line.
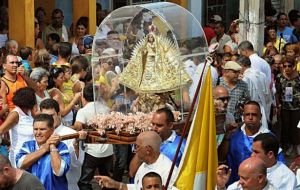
239	93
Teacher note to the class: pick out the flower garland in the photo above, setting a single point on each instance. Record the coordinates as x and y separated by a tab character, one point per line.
124	124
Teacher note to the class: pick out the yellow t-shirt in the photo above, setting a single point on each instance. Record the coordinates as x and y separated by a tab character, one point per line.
68	88
102	80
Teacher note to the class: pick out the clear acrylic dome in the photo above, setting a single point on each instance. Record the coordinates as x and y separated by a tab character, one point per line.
139	57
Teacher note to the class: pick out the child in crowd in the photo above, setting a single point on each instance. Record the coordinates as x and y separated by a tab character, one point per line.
26	55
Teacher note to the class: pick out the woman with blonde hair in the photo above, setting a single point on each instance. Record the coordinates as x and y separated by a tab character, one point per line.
42	59
293	50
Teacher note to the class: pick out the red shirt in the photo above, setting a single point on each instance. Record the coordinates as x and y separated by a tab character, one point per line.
209	33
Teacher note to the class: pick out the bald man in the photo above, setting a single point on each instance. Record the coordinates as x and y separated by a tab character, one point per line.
221	93
277	66
253	176
221	99
148	150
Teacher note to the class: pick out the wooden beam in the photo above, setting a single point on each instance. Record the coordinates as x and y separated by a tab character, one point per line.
21	22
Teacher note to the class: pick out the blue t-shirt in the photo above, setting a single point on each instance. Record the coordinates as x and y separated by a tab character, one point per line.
43	169
169	147
287	35
53	59
26	65
240	148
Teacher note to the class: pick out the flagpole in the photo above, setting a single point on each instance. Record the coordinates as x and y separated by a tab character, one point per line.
186	124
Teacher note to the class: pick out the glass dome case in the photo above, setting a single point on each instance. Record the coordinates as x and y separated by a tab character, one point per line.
142	57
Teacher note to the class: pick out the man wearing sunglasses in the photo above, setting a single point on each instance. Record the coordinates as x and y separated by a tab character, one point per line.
237	89
225	127
12	80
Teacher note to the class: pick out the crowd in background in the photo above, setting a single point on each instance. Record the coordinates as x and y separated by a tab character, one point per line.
257	92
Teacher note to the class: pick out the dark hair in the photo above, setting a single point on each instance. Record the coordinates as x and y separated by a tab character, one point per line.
89	75
54	73
289	59
245	61
254	103
98	7
78	64
64	49
83	21
271	27
266	35
54	49
55	37
3	26
56	11
268	51
4	161
49	104
4	58
293	16
168	112
44	117
25	52
24	98
88	92
268	142
112	32
280	14
152	174
246	45
270	60
38	10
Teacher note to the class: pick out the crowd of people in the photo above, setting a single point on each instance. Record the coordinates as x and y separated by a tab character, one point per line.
49	91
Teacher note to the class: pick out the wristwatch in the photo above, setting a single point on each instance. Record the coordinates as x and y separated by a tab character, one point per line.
53	150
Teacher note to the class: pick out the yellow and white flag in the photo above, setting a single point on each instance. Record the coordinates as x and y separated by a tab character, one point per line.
198	166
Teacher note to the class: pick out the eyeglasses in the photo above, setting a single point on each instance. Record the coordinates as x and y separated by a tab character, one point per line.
289	66
224	98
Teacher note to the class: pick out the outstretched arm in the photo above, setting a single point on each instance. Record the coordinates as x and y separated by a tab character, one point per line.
107	182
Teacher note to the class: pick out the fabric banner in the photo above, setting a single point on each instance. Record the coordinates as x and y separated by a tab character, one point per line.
198	166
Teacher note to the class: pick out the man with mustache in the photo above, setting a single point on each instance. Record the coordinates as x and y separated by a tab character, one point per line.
239	145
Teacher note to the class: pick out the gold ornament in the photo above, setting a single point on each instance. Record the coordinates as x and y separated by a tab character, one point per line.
154	66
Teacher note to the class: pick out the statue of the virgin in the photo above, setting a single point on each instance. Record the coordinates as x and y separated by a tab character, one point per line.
155	66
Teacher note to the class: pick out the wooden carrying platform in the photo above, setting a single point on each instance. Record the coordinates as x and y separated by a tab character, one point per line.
109	138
